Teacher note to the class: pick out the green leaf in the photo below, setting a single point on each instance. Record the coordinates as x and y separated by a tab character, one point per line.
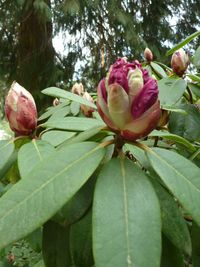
31	154
196	58
194	77
173	223
56	92
75	108
171	90
81	242
55	245
158	70
6	150
171	256
184	42
138	154
51	184
51	110
195	88
176	138
126	218
187	126
174	109
39	264
73	123
56	138
181	177
195	234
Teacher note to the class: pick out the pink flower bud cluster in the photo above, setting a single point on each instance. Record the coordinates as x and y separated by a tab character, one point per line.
128	100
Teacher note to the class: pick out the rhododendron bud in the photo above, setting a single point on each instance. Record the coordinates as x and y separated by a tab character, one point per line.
20	110
87	111
128	100
77	89
148	54
180	62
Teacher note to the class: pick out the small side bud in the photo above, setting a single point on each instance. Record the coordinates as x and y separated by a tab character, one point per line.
148	54
78	89
180	62
56	102
87	111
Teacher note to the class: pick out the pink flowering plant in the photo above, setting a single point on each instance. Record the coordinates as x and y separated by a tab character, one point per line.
108	178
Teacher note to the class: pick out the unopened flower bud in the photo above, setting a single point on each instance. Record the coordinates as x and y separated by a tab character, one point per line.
20	110
56	102
77	89
148	54
180	62
128	100
87	111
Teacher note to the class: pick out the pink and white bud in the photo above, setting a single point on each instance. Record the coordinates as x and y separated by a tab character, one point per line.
179	62
87	111
77	89
20	110
128	100
148	54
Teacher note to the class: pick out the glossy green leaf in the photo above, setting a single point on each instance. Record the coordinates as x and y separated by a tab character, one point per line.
51	184
195	235
81	242
6	150
61	113
56	138
181	177
31	154
171	90
173	137
173	224
187	126
158	70
184	42
138	154
126	218
171	256
73	123
56	92
196	58
55	245
174	109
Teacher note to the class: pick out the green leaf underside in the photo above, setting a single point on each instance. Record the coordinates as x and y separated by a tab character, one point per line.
31	154
31	202
173	137
56	138
56	92
170	90
158	69
126	218
184	42
181	177
73	124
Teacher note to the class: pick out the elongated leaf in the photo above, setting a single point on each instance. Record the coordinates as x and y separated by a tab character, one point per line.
175	138
55	245
171	256
171	90
52	183
184	42
50	111
6	150
31	154
181	177
39	264
196	58
56	92
73	123
194	77
56	138
173	224
126	218
81	242
195	88
195	234
158	69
